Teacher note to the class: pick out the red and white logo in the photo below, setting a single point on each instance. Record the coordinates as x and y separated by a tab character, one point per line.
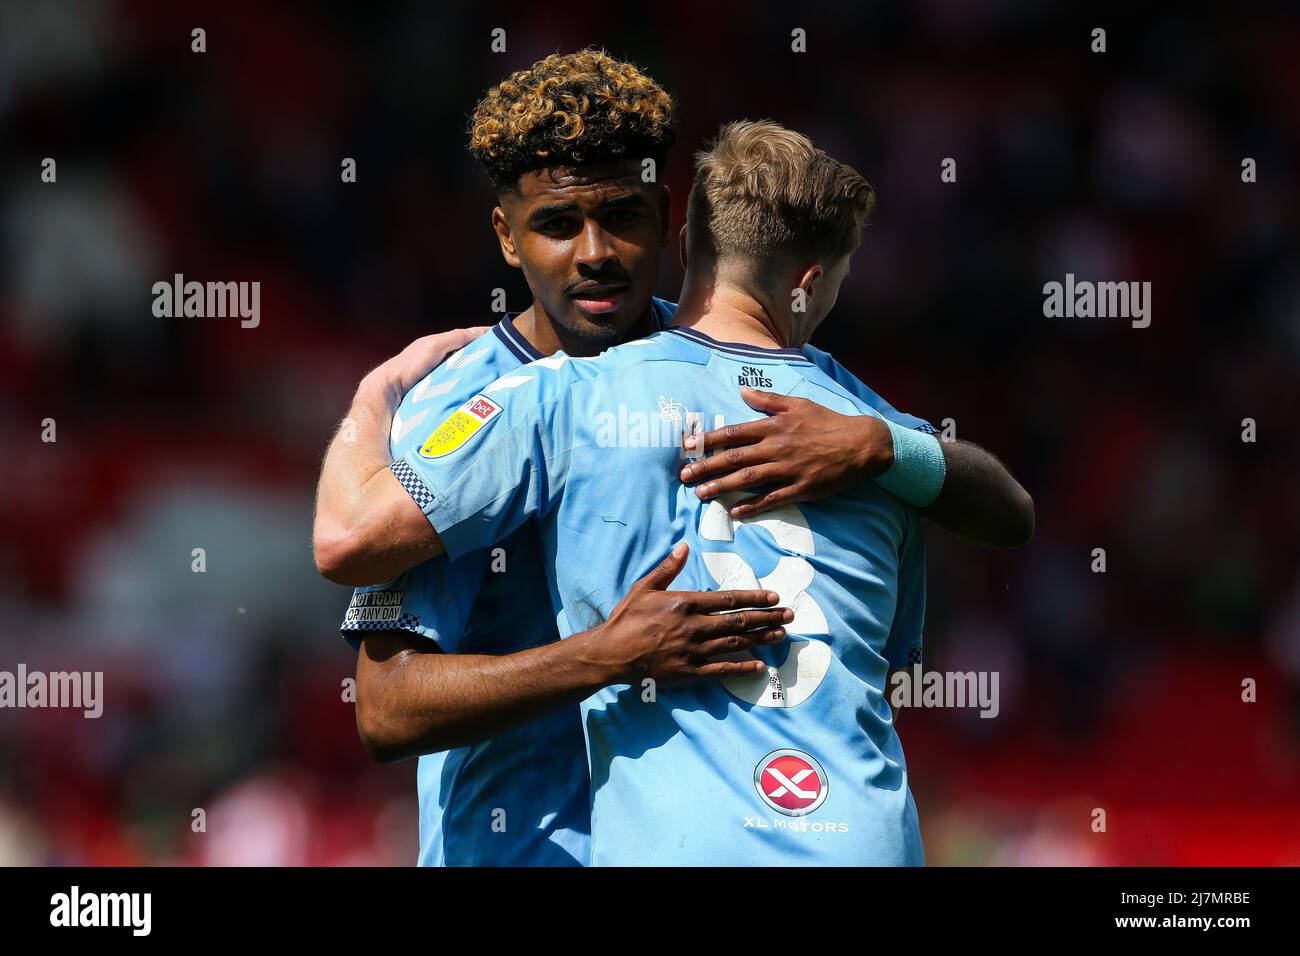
791	782
482	408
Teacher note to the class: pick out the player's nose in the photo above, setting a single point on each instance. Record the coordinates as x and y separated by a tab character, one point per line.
595	247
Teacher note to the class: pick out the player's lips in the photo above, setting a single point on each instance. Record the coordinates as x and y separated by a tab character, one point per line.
599	296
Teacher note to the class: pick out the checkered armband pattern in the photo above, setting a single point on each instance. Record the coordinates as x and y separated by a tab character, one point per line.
407	622
913	656
414	486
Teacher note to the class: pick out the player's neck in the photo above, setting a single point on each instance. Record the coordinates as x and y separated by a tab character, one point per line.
729	314
536	328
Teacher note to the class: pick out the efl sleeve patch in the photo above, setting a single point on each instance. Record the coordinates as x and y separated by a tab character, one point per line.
463	424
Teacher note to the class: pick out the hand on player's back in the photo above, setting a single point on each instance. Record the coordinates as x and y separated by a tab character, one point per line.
800	452
672	636
398	375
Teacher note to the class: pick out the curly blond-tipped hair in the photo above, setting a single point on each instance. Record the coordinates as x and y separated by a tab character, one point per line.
568	109
761	189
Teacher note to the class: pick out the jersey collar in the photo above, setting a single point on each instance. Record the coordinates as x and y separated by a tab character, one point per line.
514	340
741	349
523	350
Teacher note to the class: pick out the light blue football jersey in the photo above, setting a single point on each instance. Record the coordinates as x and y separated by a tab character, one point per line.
800	765
521	798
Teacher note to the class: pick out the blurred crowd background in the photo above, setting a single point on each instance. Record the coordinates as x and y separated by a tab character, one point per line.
223	690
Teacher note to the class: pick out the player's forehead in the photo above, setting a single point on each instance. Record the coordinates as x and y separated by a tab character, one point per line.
588	185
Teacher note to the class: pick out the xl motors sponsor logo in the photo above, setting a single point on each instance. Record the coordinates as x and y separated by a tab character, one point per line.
791	782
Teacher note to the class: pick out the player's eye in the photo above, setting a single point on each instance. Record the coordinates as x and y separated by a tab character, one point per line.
619	216
557	226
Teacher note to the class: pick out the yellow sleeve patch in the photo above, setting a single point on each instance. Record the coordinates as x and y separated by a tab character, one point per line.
462	425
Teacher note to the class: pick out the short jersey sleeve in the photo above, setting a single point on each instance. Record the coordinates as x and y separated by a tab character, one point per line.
433	599
850	382
497	460
903	645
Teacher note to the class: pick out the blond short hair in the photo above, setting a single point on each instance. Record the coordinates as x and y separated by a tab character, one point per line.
761	190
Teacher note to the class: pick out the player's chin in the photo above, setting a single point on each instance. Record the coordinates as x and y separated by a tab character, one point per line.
611	317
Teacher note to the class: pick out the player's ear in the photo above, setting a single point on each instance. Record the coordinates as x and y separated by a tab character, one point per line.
501	226
808	281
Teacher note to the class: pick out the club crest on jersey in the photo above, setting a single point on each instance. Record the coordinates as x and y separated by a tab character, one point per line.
791	782
462	425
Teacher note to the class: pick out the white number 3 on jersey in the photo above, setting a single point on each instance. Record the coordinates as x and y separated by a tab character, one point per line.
805	666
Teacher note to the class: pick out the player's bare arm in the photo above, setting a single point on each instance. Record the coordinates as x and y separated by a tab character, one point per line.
367	528
412	699
803	451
